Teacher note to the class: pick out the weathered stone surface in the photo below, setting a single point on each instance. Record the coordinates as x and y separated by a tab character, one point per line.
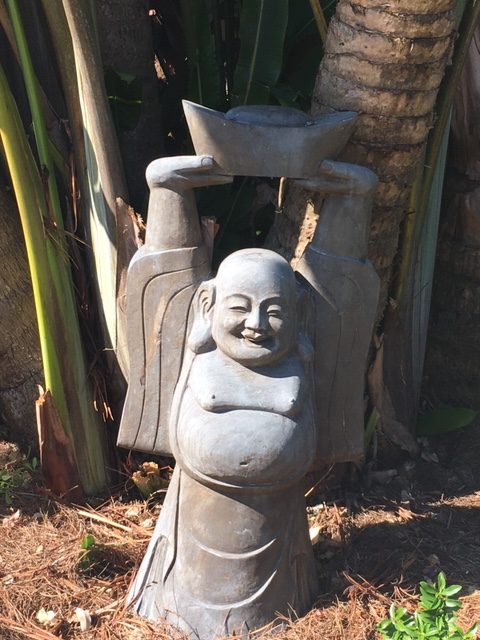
255	404
161	281
231	548
268	140
345	295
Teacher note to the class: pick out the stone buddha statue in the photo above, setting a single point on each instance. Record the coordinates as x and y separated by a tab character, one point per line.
248	379
231	549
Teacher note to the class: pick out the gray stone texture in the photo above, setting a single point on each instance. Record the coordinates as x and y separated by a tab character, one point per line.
249	379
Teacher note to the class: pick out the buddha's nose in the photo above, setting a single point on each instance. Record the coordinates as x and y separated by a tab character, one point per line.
255	321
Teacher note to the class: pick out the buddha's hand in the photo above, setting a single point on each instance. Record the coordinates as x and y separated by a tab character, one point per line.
184	172
340	178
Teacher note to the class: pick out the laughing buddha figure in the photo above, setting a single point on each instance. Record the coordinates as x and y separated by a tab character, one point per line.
231	549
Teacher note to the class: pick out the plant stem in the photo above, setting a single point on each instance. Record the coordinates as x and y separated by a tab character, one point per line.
39	127
64	367
319	19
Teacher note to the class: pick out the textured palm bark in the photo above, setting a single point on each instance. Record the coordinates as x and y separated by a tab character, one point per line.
385	61
21	365
453	358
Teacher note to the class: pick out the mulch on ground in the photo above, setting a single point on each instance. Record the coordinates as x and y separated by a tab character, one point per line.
375	540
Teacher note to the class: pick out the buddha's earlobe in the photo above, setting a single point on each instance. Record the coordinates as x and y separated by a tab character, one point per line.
200	338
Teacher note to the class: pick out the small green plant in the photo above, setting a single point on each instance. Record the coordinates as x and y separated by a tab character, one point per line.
30	463
87	545
435	619
6	486
16	477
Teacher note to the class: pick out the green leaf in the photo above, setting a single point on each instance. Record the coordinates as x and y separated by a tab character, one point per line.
438	622
384	625
441	581
263	25
427	588
470	633
125	98
427	600
286	96
204	81
87	542
444	420
59	331
451	603
396	612
452	590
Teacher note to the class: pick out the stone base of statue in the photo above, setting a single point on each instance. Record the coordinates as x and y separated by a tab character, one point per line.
239	575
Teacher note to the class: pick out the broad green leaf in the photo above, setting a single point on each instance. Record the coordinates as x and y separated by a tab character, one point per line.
451	603
452	590
441	581
384	625
204	85
302	42
59	332
427	588
444	420
263	25
124	92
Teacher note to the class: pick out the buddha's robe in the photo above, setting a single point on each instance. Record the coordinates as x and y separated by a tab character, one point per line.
231	548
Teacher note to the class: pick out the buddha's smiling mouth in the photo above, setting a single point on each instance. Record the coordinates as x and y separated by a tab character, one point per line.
256	339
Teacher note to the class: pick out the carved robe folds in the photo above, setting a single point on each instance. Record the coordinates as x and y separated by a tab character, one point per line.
239	468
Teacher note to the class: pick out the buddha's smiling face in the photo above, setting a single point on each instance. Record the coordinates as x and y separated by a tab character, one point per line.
254	313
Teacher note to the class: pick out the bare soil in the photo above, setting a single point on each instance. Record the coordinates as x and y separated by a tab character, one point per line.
378	534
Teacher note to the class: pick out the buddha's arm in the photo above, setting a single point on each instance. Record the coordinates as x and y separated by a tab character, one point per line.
344	221
345	293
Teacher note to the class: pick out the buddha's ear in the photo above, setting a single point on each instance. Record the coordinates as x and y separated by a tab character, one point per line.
200	338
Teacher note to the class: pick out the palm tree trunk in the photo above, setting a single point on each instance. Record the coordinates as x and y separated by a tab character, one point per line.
384	61
453	357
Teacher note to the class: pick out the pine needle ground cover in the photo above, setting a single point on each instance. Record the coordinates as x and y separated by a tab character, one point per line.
64	571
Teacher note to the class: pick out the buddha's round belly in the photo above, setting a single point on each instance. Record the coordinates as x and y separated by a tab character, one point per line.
245	447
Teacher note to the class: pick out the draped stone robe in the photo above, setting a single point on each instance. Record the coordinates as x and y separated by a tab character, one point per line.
231	548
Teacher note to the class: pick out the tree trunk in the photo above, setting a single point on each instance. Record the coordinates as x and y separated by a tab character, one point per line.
21	364
127	47
386	63
453	358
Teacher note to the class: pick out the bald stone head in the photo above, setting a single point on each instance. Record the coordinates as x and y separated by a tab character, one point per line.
254	315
